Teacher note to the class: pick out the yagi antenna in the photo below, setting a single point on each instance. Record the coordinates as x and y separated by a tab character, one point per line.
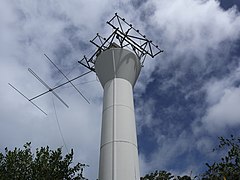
123	35
67	79
49	88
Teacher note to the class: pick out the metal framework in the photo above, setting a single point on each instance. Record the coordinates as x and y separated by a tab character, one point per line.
124	35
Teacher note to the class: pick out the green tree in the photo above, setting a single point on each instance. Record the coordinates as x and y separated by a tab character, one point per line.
45	164
229	167
158	175
163	175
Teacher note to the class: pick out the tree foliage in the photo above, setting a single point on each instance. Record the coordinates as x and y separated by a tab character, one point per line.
229	166
45	164
50	164
157	175
164	175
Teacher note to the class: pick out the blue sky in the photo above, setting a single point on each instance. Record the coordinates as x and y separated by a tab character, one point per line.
184	99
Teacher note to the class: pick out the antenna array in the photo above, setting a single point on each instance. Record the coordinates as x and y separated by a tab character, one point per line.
51	89
126	36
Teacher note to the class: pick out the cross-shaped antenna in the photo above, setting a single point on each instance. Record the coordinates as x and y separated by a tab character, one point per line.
126	36
49	88
67	79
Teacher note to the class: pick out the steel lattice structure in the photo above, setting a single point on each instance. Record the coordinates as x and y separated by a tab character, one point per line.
124	35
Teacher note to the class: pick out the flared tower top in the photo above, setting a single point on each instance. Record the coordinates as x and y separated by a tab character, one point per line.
117	63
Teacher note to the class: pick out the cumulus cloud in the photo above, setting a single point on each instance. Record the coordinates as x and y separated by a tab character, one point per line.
225	112
194	81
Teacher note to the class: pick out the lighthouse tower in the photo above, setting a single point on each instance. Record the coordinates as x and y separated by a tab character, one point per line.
118	70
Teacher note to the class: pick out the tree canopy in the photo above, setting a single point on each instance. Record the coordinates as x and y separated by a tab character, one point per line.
229	166
44	164
51	164
164	175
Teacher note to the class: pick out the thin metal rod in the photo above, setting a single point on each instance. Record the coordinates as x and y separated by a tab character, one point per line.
130	25
51	90
67	79
58	124
119	24
131	36
35	97
27	98
60	85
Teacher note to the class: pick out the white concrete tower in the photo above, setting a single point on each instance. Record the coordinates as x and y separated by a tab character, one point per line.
118	70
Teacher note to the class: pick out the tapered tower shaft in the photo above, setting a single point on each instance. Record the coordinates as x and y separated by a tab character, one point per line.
118	70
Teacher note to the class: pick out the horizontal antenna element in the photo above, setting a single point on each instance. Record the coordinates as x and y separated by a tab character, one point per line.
27	98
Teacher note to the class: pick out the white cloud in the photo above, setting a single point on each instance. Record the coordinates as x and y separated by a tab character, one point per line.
223	99
225	113
192	27
215	88
190	31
